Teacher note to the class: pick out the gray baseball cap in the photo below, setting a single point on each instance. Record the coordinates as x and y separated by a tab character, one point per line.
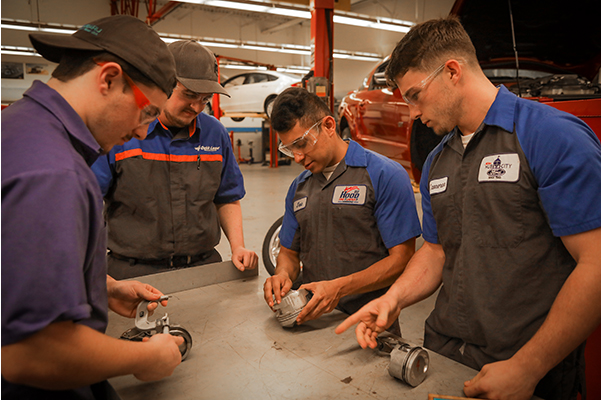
124	36
196	67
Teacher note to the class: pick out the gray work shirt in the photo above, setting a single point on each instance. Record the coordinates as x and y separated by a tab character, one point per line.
498	209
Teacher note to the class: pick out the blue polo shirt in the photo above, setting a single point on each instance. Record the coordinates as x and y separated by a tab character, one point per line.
53	236
347	223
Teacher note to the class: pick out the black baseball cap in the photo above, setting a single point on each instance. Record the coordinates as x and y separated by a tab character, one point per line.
196	67
122	35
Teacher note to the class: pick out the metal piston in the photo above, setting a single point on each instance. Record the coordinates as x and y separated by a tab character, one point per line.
408	363
290	306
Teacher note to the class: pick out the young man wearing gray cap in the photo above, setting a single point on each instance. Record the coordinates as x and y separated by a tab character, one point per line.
167	196
55	288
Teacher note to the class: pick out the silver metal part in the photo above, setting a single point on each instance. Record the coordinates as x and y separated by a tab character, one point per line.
142	315
290	306
145	328
408	363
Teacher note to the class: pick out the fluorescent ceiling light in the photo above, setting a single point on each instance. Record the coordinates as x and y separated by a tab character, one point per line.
290	13
370	24
292	10
209	42
32	28
220	44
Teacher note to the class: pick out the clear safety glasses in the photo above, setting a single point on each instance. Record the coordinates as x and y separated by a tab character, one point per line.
302	144
193	97
411	95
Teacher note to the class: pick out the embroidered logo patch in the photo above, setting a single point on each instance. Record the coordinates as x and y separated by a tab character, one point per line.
500	168
351	194
300	204
207	148
438	185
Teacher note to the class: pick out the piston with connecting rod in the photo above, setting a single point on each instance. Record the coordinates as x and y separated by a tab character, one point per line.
408	363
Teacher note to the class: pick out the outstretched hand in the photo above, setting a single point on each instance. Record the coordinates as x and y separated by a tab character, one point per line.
373	319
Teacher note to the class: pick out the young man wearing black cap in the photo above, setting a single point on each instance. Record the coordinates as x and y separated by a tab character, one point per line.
166	196
55	288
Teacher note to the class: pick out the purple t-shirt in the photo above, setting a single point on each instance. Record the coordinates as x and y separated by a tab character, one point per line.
53	234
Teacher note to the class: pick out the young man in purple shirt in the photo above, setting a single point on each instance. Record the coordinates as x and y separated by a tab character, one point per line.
113	79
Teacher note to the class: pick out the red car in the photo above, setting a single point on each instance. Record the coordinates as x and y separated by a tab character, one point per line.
378	119
558	59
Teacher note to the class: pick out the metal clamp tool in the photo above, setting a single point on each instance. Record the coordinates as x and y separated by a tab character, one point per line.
408	363
145	328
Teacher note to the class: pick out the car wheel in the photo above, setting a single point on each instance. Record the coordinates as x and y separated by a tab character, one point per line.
237	119
346	133
271	249
271	246
268	105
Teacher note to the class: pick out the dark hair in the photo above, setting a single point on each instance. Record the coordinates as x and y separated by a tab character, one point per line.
428	45
297	104
75	63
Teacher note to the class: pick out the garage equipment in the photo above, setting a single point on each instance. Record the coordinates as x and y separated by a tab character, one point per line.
408	363
290	306
145	328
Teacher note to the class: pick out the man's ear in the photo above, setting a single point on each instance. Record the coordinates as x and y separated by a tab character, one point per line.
330	125
108	74
453	70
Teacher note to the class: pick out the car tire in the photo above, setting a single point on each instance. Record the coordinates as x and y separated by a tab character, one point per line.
237	119
271	246
268	105
271	249
346	133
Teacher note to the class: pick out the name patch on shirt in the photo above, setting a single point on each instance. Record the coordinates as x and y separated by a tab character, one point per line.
438	185
500	168
300	204
350	194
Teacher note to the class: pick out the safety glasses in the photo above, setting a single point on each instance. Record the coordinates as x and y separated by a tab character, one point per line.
148	112
302	144
193	97
412	94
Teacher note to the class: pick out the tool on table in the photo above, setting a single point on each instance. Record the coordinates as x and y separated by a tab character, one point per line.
145	328
408	363
290	306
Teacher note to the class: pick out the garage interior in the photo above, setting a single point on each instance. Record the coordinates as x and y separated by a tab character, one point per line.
239	350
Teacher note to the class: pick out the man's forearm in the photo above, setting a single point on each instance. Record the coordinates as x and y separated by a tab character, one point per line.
66	355
288	263
230	217
421	278
380	274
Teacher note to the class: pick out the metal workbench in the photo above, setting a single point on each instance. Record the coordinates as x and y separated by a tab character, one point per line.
240	351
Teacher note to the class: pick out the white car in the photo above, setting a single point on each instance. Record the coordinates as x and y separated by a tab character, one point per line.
254	92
